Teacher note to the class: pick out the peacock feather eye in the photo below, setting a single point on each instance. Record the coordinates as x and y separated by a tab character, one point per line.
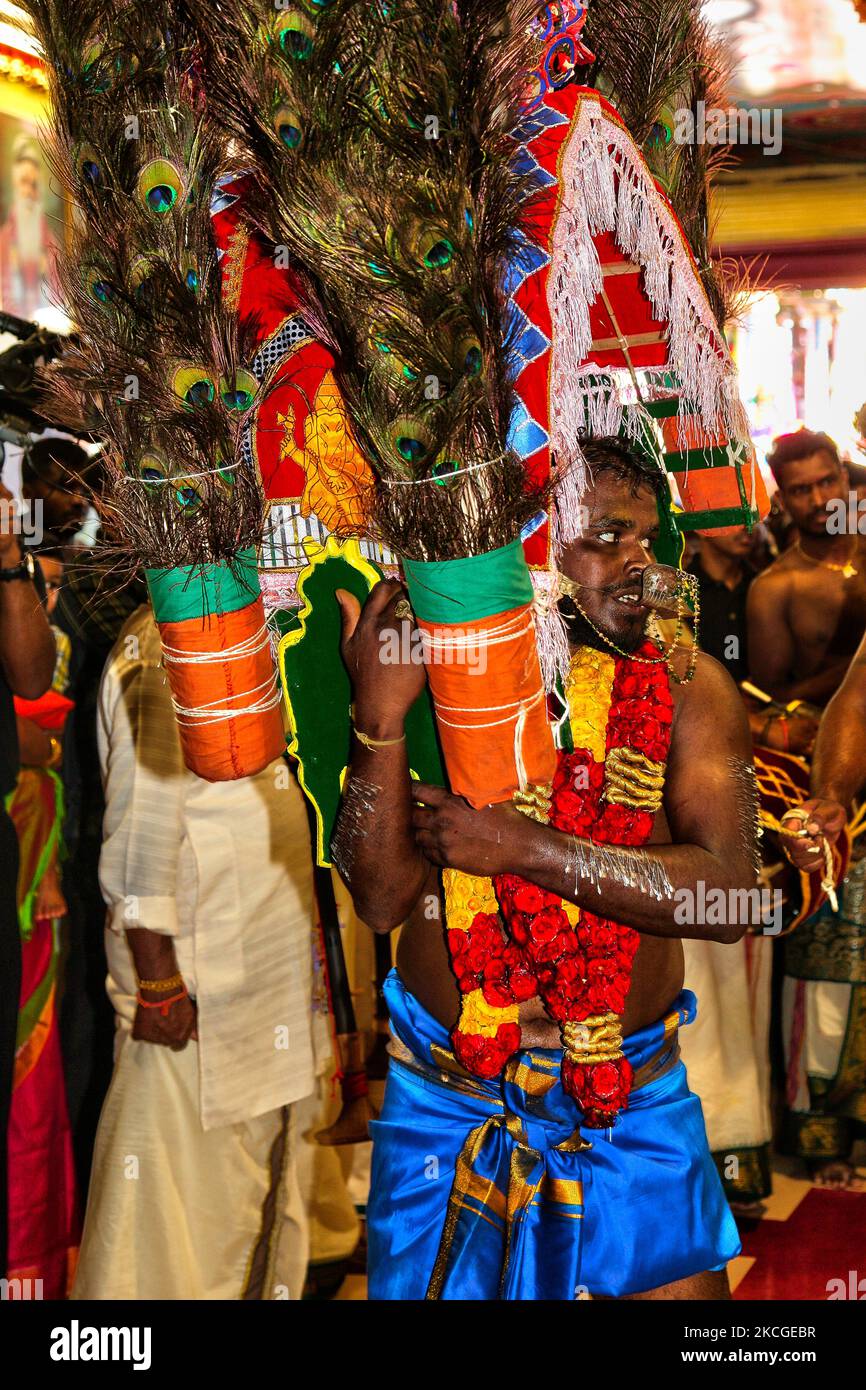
410	440
294	33
160	184
435	249
225	473
89	167
194	386
189	271
97	283
153	471
96	73
140	269
444	471
389	358
187	497
239	392
470	356
663	128
287	124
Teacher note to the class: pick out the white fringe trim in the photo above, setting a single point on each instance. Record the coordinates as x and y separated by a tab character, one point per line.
606	187
551	635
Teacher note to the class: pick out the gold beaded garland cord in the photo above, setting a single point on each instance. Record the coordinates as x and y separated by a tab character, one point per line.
686	582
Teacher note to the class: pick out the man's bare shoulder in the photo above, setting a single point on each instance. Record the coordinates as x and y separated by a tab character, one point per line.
710	698
779	574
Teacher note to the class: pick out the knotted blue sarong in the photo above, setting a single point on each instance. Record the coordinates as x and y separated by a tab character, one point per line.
489	1190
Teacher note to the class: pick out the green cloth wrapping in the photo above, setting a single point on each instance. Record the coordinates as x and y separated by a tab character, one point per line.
196	591
464	591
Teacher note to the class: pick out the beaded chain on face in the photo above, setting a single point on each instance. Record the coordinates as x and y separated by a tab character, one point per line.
686	591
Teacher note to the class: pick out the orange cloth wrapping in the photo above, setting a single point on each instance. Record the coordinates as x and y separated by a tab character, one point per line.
230	725
490	705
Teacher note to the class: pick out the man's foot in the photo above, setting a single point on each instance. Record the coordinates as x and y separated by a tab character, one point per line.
836	1173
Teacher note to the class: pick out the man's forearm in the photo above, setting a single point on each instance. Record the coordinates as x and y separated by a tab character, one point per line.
153	954
816	688
839	757
374	845
656	890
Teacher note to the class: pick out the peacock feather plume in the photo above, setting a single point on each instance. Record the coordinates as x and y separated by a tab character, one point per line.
155	368
382	135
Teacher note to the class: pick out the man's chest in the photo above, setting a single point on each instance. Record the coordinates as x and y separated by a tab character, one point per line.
827	612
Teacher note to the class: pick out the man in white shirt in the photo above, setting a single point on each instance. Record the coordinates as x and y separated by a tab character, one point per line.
209	890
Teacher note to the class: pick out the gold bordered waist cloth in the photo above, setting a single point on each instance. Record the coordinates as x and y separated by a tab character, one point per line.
489	1189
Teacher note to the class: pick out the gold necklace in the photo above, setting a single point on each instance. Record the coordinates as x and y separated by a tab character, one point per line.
847	570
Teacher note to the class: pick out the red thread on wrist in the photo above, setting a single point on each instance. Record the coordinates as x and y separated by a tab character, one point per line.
162	1004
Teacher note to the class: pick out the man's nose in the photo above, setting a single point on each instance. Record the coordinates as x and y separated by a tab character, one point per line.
636	558
821	495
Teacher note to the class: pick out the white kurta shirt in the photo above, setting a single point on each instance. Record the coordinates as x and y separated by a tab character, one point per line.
225	869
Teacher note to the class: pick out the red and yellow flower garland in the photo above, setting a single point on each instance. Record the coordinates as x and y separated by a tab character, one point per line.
578	962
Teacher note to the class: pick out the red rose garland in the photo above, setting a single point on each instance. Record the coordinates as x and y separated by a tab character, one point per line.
583	971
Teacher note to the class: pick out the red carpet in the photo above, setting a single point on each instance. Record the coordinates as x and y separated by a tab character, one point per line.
822	1240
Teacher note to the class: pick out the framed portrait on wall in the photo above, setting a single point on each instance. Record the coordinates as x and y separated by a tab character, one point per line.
32	218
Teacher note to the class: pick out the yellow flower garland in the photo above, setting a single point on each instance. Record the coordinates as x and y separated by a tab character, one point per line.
465	895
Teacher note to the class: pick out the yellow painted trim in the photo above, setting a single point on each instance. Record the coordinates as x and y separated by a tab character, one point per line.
782	208
23	102
317	554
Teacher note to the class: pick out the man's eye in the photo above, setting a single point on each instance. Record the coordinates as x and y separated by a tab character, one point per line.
609	537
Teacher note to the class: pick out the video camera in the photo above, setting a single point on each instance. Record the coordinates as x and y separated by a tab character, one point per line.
20	392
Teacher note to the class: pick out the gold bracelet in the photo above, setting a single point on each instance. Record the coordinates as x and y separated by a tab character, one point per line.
162	986
368	741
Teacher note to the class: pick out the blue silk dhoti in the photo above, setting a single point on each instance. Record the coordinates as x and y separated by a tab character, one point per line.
489	1190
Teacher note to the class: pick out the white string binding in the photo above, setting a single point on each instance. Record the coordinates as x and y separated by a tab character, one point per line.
213	712
441	477
247	647
182	477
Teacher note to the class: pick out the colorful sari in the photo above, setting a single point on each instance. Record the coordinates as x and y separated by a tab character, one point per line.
43	1220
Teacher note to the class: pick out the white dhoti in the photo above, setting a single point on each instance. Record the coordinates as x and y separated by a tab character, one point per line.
177	1211
194	1191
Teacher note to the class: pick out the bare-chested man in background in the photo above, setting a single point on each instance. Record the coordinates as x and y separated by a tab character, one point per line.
807	612
806	617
